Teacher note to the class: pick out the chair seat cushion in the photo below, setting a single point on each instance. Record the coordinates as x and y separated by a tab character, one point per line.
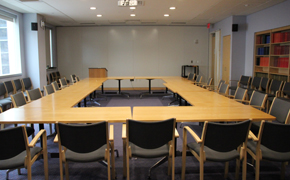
18	161
5	101
212	155
149	153
268	154
96	155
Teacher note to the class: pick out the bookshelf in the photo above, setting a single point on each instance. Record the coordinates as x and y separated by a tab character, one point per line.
271	58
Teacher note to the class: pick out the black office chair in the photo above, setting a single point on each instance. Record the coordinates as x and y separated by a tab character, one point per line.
272	144
150	140
256	83
284	93
219	143
20	100
86	143
280	109
17	152
26	84
224	89
5	101
33	94
63	83
198	80
258	100
275	87
264	85
55	86
240	94
9	88
208	84
48	89
73	80
216	88
244	82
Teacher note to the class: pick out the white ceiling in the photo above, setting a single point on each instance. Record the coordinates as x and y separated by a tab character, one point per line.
187	12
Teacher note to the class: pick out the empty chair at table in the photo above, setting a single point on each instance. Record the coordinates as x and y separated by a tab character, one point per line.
55	86
48	89
17	152
271	144
240	94
224	89
255	85
63	83
86	143
150	140
73	76
4	101
219	142
34	94
244	82
258	100
18	100
274	88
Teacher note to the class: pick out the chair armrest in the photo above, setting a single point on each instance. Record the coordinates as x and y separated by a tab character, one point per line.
259	107
230	96
36	137
252	136
193	134
111	135
176	133
243	101
55	140
124	136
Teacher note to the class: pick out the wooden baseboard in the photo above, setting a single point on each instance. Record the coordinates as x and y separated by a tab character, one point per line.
136	88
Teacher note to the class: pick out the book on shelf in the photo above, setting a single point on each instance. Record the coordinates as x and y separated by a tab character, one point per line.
264	61
281	62
263	39
278	77
281	50
263	50
281	37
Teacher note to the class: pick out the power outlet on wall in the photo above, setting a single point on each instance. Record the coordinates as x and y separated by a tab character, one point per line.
191	61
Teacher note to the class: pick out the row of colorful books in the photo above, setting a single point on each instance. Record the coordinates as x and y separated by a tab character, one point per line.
263	39
279	50
263	50
281	37
280	62
262	61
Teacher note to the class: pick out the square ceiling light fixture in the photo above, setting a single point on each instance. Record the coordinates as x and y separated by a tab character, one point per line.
124	3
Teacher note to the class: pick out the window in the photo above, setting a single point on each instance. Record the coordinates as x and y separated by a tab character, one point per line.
10	62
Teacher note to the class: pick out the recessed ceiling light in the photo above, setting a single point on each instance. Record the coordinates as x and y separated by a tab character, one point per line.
132	7
99	15
246	5
93	8
172	8
166	15
132	15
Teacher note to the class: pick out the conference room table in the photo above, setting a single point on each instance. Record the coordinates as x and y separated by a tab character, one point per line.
61	106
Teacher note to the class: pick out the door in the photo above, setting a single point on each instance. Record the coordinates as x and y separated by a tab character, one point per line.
226	58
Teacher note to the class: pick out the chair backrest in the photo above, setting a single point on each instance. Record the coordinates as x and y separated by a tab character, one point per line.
18	99
57	75
258	99
245	81
3	90
240	93
77	79
275	86
17	85
256	83
63	82
26	84
280	109
275	136
48	89
286	89
220	83
12	142
198	78
224	88
55	86
34	94
52	77
83	138
9	87
225	137
190	76
150	135
265	84
73	76
209	81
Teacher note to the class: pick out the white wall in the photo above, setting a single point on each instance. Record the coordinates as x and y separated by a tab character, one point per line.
131	51
273	17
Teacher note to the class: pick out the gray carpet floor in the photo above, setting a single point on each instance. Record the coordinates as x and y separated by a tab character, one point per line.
138	166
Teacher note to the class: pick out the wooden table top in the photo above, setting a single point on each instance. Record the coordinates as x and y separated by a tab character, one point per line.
199	114
59	106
